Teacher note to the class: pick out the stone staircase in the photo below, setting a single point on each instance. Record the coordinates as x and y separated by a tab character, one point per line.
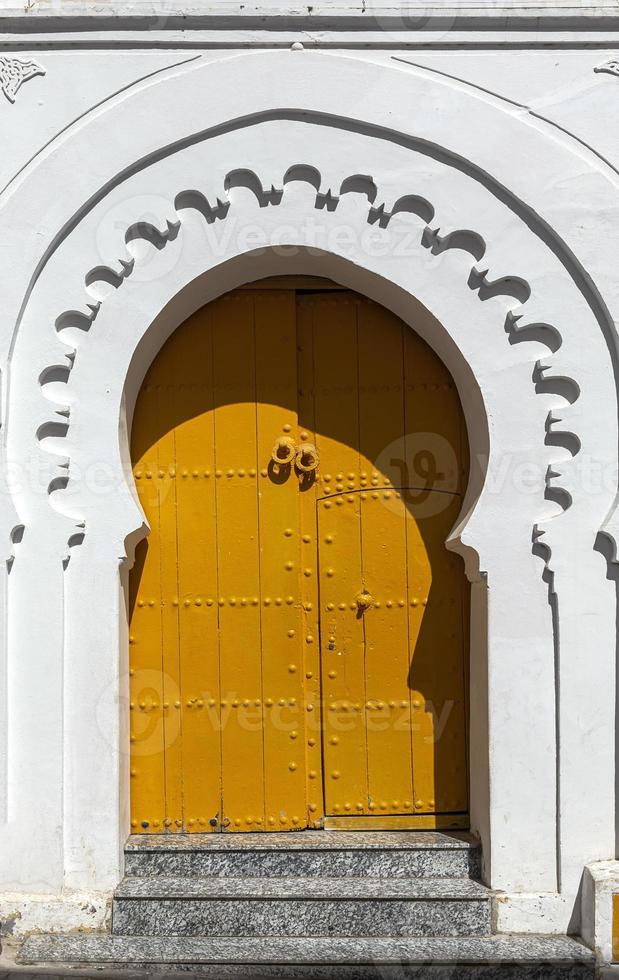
316	904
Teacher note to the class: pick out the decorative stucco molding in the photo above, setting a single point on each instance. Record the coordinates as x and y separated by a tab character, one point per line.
14	72
594	300
379	24
609	67
517	326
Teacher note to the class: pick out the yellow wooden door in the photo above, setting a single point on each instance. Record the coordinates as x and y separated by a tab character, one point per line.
393	601
253	656
217	699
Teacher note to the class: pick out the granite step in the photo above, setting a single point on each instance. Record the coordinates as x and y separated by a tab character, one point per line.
313	853
503	957
251	907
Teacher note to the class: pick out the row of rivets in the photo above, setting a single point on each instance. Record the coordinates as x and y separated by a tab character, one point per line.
370	705
351	477
212	702
202	386
409	386
295	820
362	492
232	601
384	805
350	498
269	702
281	702
389	604
237	821
428	386
206	474
166	822
195	474
396	805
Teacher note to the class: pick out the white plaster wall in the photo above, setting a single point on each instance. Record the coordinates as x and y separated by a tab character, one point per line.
73	85
543	800
561	86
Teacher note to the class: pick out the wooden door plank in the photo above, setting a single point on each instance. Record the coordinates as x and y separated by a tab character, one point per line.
342	652
280	557
384	559
437	584
147	733
167	409
197	573
238	562
309	560
340	570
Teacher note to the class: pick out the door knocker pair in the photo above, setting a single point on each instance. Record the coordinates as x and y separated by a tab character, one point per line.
305	457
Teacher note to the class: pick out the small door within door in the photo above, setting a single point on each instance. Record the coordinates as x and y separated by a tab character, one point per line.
392	659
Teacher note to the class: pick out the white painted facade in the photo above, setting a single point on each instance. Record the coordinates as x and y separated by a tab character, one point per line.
484	148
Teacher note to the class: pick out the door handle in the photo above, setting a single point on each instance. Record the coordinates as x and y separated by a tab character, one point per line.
307	458
284	450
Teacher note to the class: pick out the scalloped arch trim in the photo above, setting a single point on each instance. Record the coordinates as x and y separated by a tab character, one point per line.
519	325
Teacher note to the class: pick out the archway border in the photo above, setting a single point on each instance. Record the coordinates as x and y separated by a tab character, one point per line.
566	564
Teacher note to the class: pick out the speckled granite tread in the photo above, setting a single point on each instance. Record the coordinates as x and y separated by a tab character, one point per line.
308	853
304	840
304	888
129	950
